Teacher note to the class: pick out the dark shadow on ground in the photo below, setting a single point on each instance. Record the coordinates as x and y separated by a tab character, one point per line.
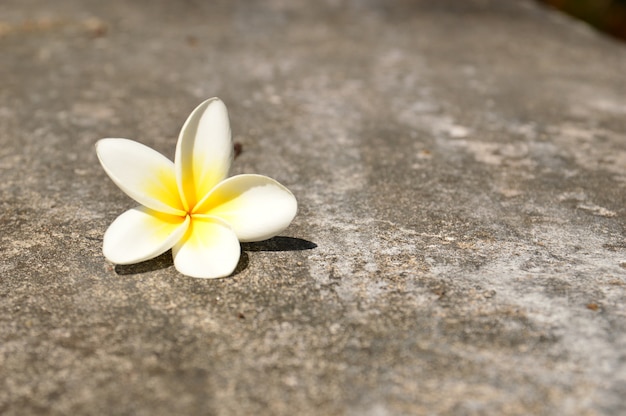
242	265
165	260
279	244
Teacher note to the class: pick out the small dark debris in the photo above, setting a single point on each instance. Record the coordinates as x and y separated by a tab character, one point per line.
95	27
240	315
440	292
191	40
238	149
615	247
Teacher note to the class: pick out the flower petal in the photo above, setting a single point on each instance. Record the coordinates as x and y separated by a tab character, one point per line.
141	234
142	173
204	151
255	206
210	249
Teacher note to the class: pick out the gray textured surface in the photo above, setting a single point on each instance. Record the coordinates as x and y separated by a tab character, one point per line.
460	245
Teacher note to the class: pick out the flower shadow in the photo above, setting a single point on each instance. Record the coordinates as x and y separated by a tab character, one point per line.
279	244
163	261
166	260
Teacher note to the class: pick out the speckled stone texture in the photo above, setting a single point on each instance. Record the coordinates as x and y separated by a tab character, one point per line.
460	168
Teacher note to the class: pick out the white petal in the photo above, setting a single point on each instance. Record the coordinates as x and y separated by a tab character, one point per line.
141	234
142	173
204	151
210	249
255	206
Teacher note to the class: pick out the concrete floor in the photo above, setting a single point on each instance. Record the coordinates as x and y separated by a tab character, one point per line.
460	249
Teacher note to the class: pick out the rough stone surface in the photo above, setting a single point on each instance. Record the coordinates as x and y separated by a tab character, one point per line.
460	244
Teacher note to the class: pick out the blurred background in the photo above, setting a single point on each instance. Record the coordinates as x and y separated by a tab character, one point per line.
606	15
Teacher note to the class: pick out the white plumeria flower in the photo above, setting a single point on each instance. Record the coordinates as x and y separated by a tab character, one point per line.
189	206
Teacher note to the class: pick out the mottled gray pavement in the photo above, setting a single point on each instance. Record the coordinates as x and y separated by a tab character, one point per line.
460	244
